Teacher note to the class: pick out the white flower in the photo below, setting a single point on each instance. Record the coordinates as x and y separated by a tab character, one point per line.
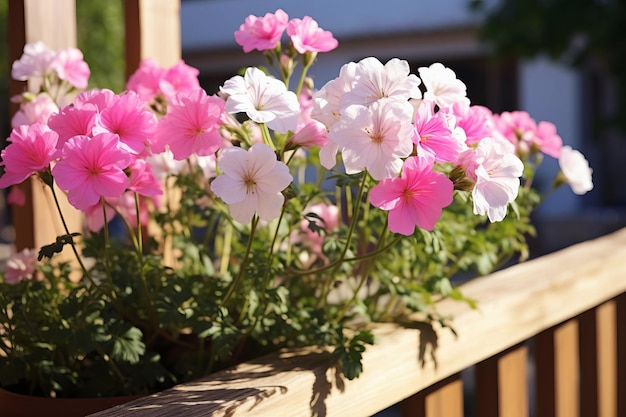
326	100
576	170
33	64
373	82
251	182
442	86
495	169
375	138
263	98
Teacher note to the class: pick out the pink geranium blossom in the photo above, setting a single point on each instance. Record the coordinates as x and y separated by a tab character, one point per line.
142	179
262	33
129	118
37	110
433	135
69	65
576	170
146	79
180	78
548	141
375	138
71	121
263	98
417	198
496	171
518	128
32	149
442	86
191	125
251	182
91	168
476	121
307	36
20	266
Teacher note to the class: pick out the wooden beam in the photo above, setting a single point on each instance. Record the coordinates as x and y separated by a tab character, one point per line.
513	305
54	23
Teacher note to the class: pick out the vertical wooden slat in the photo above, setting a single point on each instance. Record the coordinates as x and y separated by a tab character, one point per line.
444	399
486	388
513	383
502	384
588	352
557	371
620	313
606	320
54	23
152	31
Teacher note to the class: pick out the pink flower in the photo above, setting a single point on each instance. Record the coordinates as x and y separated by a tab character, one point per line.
20	266
417	198
312	134
476	121
325	217
31	150
37	110
307	36
16	197
91	168
518	128
442	86
495	169
576	170
251	182
191	125
142	180
264	99
375	138
100	99
432	134
128	117
71	121
70	66
180	78
146	79
548	140
262	33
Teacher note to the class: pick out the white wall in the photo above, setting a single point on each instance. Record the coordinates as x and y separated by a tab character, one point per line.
212	23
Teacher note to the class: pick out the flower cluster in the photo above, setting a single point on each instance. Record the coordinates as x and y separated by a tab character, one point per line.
264	215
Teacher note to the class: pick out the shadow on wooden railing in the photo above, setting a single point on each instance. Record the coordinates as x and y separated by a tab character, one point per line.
566	311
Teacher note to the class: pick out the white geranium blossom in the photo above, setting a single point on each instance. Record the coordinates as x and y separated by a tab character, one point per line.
251	182
442	86
576	170
496	171
263	98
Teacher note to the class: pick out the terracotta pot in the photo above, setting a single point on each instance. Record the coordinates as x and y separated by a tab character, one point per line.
17	405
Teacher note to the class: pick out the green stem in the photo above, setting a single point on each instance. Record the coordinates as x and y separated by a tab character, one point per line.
244	262
267	138
353	222
72	244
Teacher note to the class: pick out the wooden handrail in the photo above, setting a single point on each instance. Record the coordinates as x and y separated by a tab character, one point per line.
514	305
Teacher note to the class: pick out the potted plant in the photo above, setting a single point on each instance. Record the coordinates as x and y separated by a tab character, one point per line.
270	214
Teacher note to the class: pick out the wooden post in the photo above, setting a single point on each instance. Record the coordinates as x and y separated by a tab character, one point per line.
37	223
152	31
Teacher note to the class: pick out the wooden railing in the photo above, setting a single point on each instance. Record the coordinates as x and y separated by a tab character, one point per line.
548	337
552	329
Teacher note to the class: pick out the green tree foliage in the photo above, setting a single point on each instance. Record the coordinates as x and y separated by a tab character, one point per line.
100	32
577	32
